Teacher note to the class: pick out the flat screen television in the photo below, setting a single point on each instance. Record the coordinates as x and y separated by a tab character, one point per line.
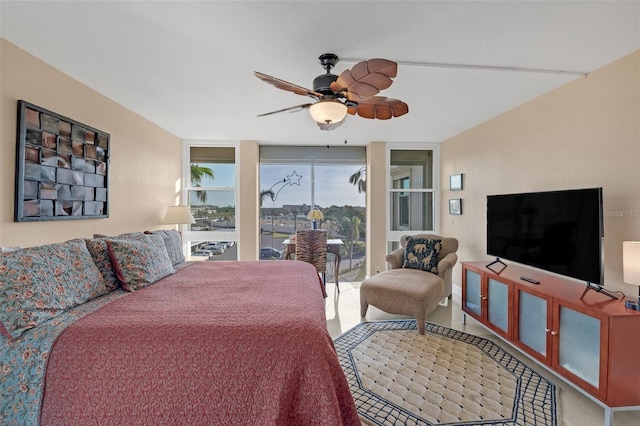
557	231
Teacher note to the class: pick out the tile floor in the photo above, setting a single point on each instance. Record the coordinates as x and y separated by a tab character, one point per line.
343	313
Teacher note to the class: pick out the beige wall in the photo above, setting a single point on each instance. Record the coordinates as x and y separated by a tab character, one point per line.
249	204
376	208
584	134
145	166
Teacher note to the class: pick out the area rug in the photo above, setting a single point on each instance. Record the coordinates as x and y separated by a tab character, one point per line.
446	377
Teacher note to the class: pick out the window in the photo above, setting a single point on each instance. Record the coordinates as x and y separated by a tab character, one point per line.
295	179
211	194
403	204
412	190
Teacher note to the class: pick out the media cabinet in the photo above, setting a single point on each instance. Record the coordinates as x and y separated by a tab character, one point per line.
593	342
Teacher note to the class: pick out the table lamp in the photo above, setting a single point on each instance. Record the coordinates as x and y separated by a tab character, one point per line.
631	269
177	215
315	215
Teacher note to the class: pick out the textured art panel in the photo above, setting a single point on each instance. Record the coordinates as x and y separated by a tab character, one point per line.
62	167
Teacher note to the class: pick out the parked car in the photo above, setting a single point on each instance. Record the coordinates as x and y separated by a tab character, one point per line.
214	250
204	253
270	253
215	246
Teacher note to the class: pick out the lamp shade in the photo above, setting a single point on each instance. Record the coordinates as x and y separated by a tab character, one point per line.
328	111
315	214
631	262
178	215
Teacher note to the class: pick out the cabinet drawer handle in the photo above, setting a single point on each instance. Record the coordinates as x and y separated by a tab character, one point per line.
554	333
484	297
547	330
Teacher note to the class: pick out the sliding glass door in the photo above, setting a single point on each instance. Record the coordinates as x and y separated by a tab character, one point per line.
294	180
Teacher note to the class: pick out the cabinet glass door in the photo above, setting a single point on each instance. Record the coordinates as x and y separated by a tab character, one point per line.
579	350
473	286
498	308
532	322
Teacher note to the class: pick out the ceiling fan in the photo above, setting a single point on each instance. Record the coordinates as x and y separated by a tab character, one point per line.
351	92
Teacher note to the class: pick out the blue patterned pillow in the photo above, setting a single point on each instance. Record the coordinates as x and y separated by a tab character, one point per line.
173	243
100	253
422	253
39	283
8	249
140	262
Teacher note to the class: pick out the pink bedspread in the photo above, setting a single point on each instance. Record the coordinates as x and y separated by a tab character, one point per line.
218	343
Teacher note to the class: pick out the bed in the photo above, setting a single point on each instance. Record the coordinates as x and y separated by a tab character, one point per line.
214	343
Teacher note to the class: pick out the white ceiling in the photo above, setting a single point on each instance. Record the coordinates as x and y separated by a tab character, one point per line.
188	65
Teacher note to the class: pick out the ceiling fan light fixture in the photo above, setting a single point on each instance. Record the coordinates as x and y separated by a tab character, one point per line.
328	111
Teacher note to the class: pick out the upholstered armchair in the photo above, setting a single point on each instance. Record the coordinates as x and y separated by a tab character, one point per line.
419	278
447	257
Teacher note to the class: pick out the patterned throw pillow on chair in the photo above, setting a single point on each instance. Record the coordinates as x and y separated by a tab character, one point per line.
422	253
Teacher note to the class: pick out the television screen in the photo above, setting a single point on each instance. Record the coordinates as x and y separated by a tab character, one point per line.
558	231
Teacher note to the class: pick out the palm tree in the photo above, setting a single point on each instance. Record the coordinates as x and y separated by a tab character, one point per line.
226	214
197	174
264	193
271	195
359	179
351	229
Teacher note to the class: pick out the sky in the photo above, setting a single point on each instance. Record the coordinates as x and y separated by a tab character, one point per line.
292	185
332	185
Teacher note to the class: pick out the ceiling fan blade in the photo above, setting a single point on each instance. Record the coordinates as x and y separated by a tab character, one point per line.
366	78
285	85
380	107
330	126
290	109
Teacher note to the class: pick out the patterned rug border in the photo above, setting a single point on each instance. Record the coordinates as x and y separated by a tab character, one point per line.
359	333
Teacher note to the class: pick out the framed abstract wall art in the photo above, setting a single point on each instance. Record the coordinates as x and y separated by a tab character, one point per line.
455	206
455	182
62	167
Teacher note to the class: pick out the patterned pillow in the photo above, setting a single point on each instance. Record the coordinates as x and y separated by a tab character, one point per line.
140	262
8	249
173	243
422	253
39	283
100	254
